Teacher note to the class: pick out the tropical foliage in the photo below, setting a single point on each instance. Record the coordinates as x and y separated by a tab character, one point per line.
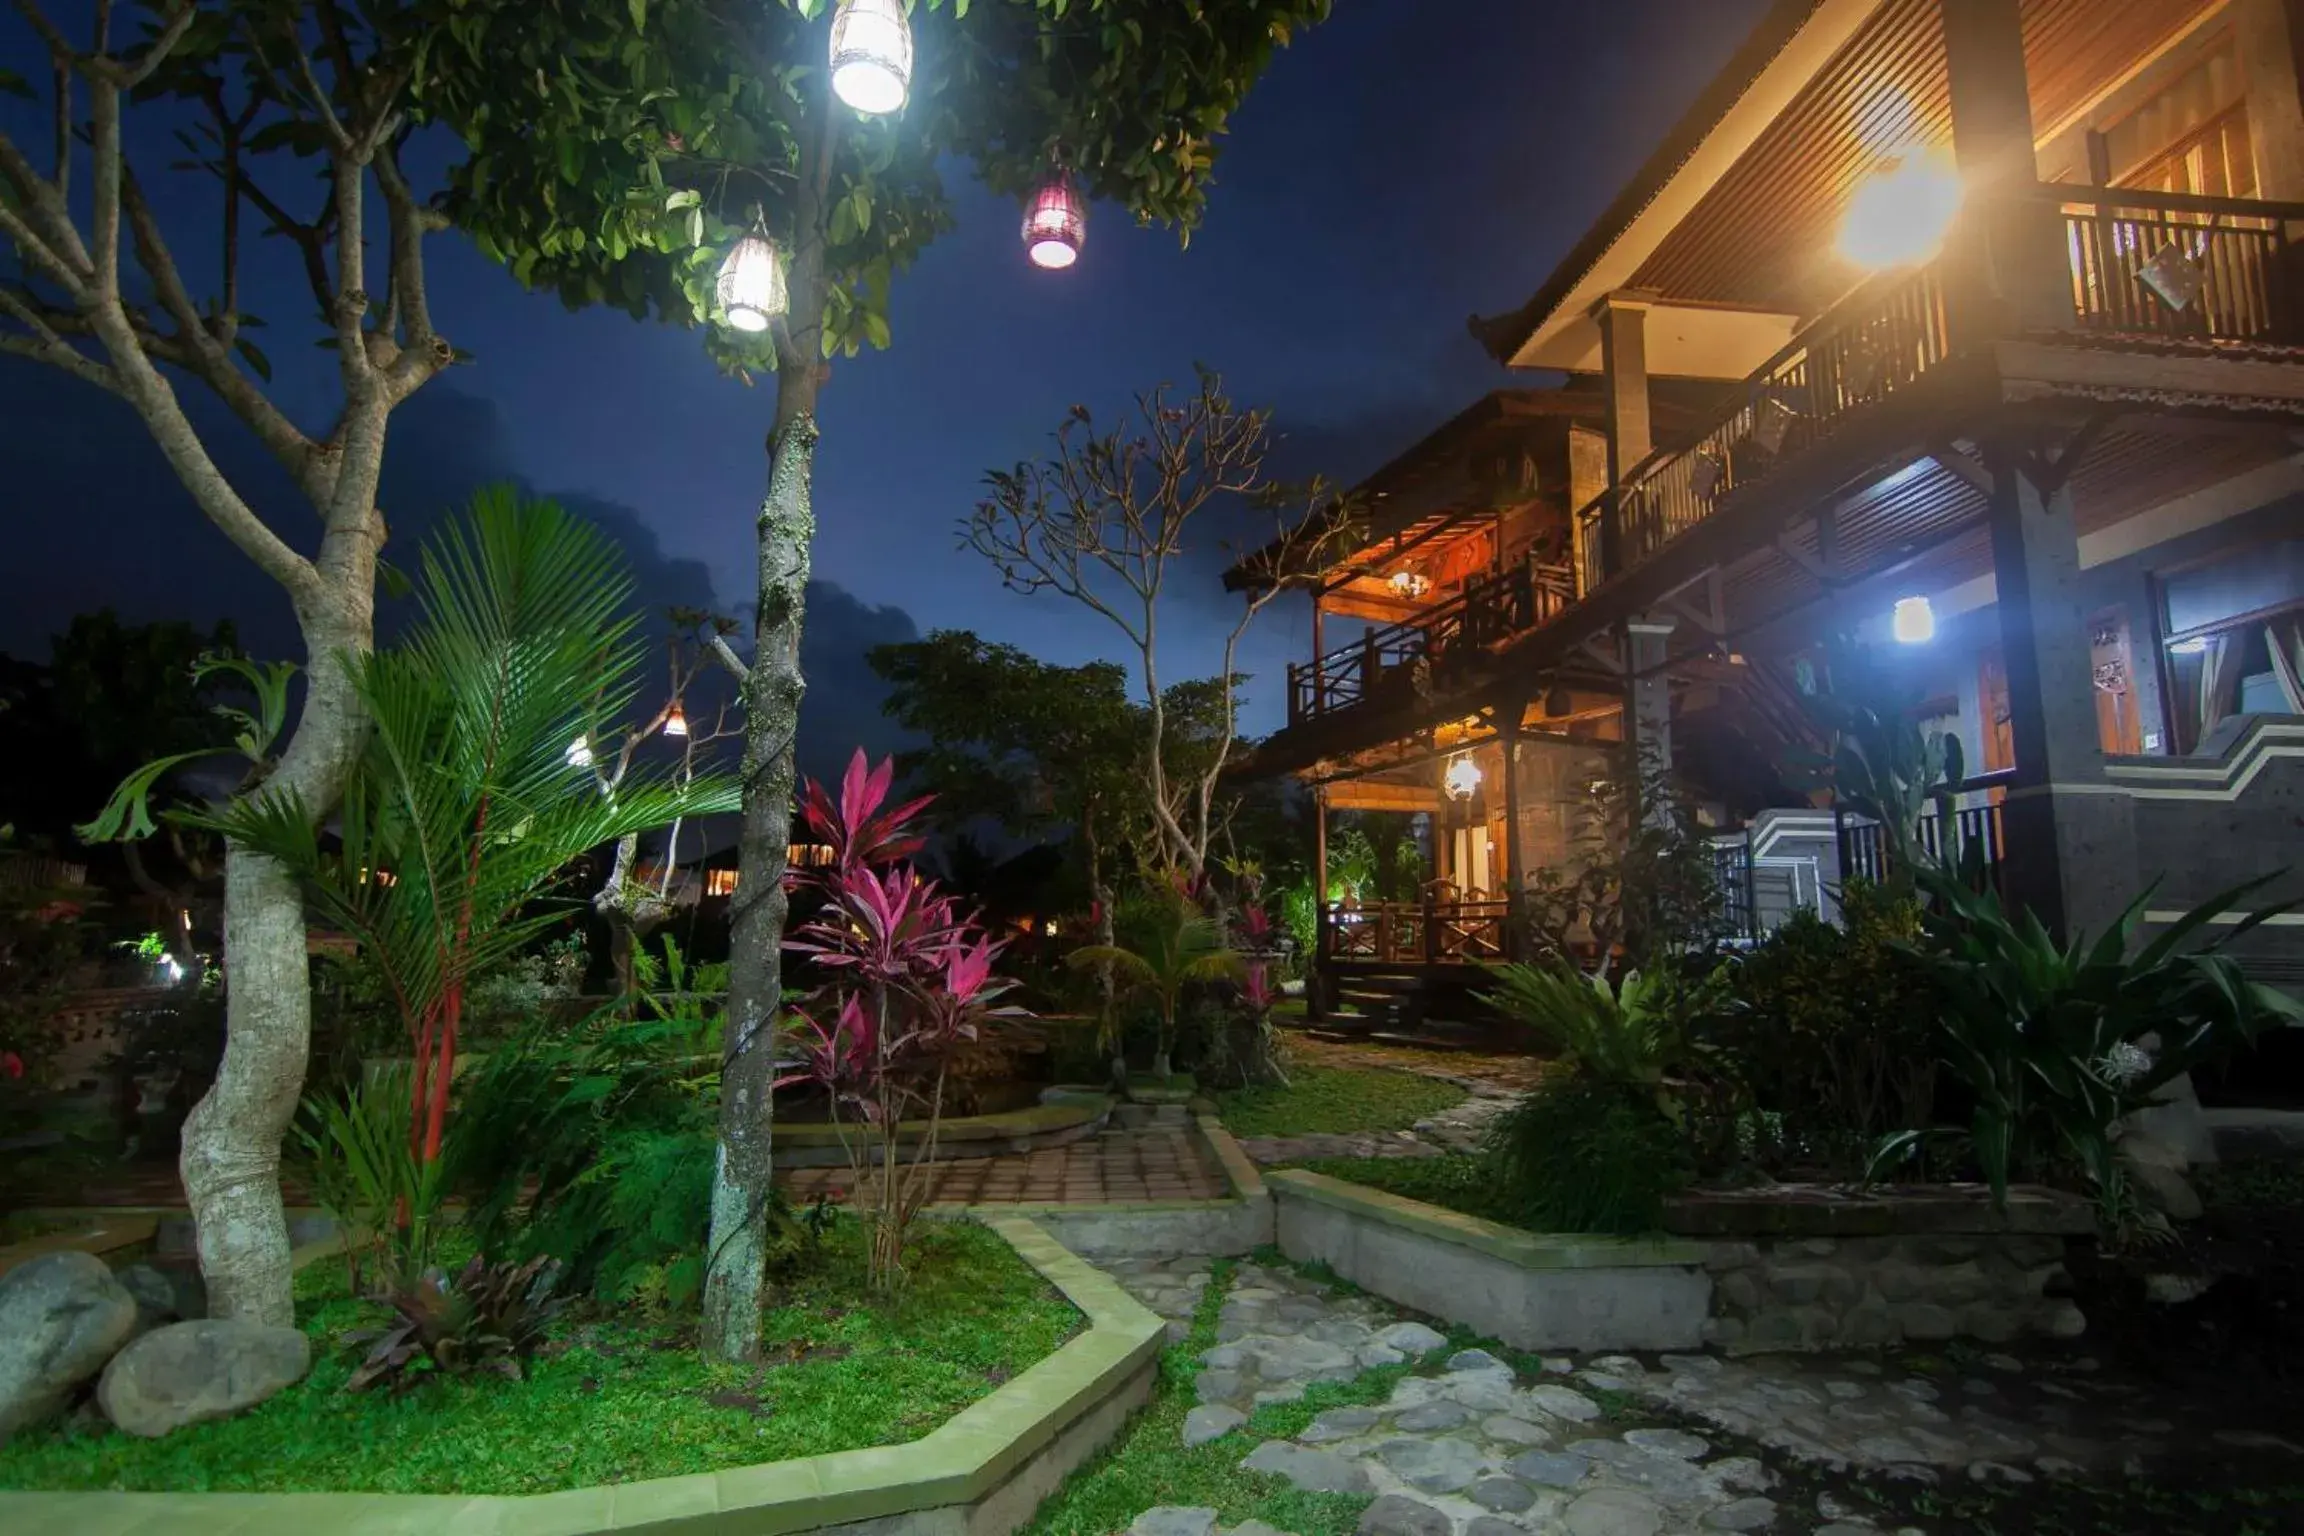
910	981
1168	945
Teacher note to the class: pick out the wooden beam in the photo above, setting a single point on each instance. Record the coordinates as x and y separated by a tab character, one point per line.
1964	465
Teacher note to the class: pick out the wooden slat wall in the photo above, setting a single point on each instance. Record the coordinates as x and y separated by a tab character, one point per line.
1764	234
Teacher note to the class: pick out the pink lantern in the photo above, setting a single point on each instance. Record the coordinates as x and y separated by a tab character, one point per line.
1055	223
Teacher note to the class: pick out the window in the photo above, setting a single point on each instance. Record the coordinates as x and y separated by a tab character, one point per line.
2192	136
719	882
2235	638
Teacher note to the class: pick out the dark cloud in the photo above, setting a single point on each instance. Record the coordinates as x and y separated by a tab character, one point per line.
93	516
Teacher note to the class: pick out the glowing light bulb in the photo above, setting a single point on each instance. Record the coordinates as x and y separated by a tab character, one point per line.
1899	216
1913	622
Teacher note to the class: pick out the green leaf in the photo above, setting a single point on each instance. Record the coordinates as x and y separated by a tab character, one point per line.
256	358
12	84
639	15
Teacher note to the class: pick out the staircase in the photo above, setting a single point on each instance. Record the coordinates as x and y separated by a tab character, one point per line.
1397	1007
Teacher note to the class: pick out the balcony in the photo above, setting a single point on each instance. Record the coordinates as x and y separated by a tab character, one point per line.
2157	268
1433	650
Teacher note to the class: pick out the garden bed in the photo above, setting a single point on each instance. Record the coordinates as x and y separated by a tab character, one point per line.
610	1399
1335	1101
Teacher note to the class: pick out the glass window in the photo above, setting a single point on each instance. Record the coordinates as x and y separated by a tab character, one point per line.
2192	136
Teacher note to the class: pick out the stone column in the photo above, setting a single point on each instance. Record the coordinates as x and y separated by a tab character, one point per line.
2005	259
1648	715
2071	836
2267	33
1315	975
1623	321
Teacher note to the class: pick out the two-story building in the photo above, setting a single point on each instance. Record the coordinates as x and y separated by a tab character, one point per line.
1973	327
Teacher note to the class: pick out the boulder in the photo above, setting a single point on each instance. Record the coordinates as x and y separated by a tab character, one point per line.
62	1315
189	1372
169	1295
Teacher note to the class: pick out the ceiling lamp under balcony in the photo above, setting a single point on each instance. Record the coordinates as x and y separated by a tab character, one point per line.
1462	780
1913	622
872	55
1055	223
1410	584
1899	216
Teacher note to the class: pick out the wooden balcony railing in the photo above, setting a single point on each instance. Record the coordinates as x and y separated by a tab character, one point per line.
1482	618
2230	261
1439	930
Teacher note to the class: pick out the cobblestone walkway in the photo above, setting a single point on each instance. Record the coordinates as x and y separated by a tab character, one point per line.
1465	1447
1152	1163
1458	1129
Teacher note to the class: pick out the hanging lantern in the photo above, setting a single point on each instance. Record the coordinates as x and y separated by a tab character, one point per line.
1913	621
751	290
1462	780
580	753
872	55
675	720
1055	223
1410	584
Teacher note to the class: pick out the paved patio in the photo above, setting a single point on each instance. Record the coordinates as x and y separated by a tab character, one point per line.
1154	1163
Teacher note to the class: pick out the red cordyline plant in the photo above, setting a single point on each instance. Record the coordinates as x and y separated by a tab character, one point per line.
909	981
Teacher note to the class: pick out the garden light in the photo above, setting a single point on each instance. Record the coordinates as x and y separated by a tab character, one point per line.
1055	223
751	288
872	55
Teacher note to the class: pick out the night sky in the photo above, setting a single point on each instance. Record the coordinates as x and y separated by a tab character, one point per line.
1402	167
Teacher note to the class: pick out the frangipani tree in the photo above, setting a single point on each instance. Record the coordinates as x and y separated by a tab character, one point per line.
620	154
294	115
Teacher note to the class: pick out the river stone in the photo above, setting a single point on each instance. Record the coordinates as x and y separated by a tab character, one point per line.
1174	1520
1743	1515
187	1373
163	1295
1564	1403
1553	1469
1742	1473
1216	1386
1503	1494
1435	1466
1211	1421
1375	1353
1299	1358
1339	1424
1512	1431
1435	1415
1398	1515
1482	1391
1669	1442
1411	1338
1340	1331
1613	1512
1490	1525
1309	1470
1476	1360
1224	1357
61	1317
1258	1528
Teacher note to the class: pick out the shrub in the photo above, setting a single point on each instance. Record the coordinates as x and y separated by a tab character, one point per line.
1827	1032
486	1321
1583	1154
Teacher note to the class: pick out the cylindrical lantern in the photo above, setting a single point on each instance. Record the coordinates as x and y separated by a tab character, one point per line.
1055	223
872	55
1462	780
751	289
1913	621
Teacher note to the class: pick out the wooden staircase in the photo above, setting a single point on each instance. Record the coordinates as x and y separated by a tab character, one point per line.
1401	1006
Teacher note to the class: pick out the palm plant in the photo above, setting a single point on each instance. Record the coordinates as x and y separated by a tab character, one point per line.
1176	946
465	807
1627	1033
2060	1043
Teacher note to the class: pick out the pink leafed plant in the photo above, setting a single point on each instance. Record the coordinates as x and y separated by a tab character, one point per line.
909	979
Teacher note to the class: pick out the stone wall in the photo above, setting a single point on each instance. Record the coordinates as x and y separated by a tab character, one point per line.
1855	1292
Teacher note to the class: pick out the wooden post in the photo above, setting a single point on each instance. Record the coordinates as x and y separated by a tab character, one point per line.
1314	978
1319	649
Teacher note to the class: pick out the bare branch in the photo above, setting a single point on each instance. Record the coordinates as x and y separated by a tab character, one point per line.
45	345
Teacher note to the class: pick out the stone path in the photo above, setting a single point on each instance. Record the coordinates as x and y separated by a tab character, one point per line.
1464	1447
1151	1163
1457	1129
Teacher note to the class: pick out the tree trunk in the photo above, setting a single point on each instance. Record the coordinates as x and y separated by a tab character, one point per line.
742	1181
230	1160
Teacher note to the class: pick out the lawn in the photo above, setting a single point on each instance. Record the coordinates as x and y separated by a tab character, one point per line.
1336	1100
611	1398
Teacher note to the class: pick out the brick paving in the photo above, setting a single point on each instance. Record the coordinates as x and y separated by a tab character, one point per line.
1153	1163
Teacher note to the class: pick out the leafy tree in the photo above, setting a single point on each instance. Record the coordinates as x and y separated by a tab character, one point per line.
617	155
1170	944
269	96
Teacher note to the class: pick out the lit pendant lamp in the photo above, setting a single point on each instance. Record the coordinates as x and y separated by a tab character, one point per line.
1410	584
872	55
1913	621
1900	215
675	720
580	753
751	288
1055	222
1462	780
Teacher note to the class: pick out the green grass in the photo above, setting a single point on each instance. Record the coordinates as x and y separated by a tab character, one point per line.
1454	1182
615	1399
1336	1100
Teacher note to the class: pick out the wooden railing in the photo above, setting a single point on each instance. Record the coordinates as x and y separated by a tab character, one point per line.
1462	930
2165	264
1971	838
1879	341
1486	615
